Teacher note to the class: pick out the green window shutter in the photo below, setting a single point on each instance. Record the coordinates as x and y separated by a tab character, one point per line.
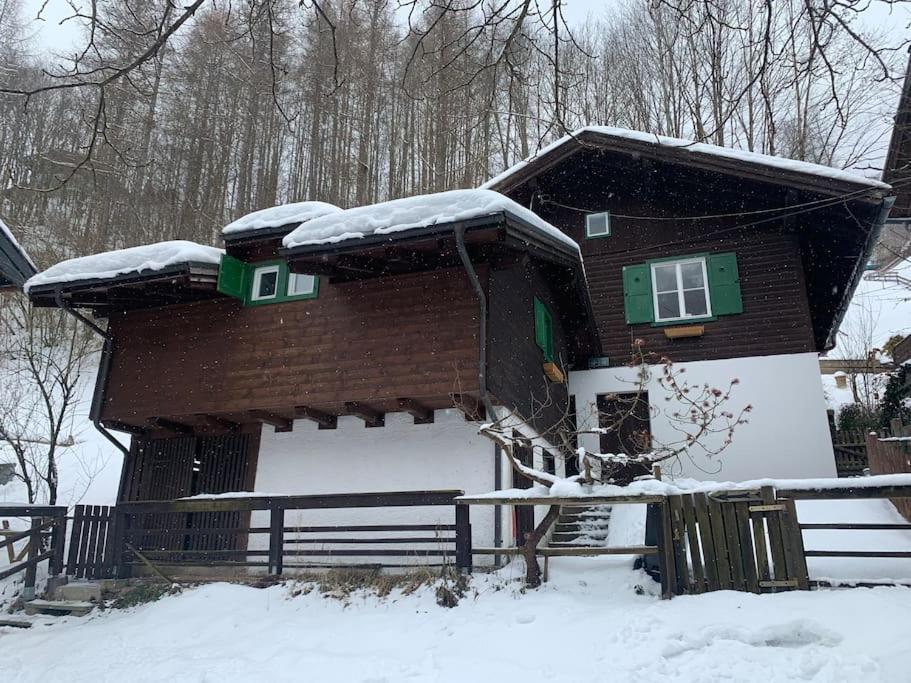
724	284
232	277
544	330
637	294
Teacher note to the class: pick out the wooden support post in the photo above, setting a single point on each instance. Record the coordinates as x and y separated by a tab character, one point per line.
9	549
529	550
463	539
58	544
120	533
276	541
31	570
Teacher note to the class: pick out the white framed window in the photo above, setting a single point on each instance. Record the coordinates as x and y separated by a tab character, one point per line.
597	224
265	283
300	284
680	290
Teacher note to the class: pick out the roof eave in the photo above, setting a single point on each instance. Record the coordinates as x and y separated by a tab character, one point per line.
685	156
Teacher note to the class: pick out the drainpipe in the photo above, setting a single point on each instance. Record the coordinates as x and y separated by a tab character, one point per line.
101	381
482	369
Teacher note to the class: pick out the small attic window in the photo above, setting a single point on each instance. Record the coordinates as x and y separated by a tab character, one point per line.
300	284
265	283
597	224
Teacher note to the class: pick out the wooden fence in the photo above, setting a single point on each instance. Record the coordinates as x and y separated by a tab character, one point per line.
46	537
891	455
214	532
91	554
850	449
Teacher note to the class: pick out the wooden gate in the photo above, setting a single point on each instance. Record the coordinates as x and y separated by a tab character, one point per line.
91	553
751	542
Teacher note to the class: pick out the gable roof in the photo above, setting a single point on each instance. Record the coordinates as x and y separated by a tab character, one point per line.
897	168
721	159
15	265
412	213
267	221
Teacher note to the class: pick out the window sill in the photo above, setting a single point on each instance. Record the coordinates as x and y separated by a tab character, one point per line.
684	321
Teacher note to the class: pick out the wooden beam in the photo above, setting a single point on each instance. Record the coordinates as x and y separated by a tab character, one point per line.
471	407
218	422
422	414
364	264
324	420
370	416
170	425
281	424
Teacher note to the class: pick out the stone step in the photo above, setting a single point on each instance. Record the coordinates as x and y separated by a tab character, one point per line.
15	623
559	537
79	591
58	608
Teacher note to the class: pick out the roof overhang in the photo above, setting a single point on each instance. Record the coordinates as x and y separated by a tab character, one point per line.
15	265
690	156
178	283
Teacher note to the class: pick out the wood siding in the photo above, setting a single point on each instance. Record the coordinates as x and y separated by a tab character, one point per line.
776	316
515	376
371	341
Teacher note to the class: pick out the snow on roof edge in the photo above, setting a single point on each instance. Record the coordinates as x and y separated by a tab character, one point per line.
110	264
12	239
700	147
278	216
411	213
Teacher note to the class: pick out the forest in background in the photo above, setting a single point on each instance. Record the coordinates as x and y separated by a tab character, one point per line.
255	104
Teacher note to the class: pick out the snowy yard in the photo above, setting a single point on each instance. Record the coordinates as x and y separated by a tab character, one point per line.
596	619
587	624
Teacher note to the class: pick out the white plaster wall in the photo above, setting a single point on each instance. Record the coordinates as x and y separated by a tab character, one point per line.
787	434
401	456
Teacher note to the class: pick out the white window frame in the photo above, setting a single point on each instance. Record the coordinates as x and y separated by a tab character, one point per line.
292	277
680	300
588	231
257	280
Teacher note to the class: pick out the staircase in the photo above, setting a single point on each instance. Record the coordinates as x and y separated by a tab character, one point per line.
581	525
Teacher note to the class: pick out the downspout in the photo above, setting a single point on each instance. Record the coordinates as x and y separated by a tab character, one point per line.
101	381
482	366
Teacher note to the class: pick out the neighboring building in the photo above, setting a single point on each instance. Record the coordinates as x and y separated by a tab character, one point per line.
15	265
335	351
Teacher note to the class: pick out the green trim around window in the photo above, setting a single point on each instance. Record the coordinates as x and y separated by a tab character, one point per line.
544	330
236	279
723	285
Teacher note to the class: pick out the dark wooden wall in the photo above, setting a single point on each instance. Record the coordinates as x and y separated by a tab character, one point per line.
375	340
515	376
776	316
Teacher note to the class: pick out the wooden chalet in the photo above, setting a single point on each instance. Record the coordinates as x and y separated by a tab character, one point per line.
327	352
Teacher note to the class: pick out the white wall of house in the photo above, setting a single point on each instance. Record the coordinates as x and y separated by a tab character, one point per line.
401	456
787	434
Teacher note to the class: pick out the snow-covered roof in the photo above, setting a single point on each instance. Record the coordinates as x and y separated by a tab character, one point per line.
416	212
277	216
15	264
696	147
109	264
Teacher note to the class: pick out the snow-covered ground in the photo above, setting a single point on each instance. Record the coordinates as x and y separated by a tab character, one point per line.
589	623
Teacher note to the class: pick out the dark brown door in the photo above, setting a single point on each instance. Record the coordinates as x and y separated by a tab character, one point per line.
627	419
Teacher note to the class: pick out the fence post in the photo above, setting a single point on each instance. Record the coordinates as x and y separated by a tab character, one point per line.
276	540
31	569
58	543
666	551
463	538
121	569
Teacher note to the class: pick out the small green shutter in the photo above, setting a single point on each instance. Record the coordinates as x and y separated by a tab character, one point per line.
544	330
232	277
637	294
724	284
